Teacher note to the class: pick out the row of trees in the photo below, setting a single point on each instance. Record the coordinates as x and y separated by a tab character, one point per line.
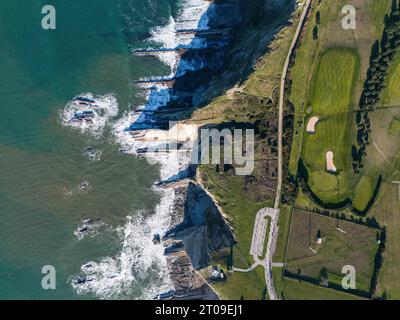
369	222
317	21
381	58
378	262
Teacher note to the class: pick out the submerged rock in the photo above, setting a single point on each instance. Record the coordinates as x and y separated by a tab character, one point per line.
156	239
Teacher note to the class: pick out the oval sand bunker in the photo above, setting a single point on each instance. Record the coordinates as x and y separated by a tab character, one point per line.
330	166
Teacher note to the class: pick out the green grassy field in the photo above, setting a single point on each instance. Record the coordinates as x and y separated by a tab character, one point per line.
384	158
356	247
394	127
246	286
305	90
331	102
387	210
241	211
391	94
284	226
384	153
295	290
278	280
364	192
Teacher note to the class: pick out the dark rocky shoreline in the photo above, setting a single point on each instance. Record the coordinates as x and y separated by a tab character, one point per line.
197	228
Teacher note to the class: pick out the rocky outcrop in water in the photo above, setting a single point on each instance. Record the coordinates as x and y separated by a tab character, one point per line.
223	52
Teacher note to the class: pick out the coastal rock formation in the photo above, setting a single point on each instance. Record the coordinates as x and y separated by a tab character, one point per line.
197	228
225	15
229	33
203	229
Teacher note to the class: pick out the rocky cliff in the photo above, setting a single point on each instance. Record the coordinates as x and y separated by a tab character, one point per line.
197	228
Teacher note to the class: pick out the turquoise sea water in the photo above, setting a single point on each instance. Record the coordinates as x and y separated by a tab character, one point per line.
43	162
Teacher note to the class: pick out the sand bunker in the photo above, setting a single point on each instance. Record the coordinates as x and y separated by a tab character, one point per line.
330	166
311	124
180	132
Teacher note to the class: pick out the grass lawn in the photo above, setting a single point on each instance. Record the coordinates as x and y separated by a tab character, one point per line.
278	280
285	216
356	247
395	126
387	209
249	285
331	102
384	158
370	15
384	152
241	212
364	192
391	94
295	290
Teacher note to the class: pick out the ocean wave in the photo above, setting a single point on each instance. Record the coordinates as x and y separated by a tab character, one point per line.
138	271
192	16
101	110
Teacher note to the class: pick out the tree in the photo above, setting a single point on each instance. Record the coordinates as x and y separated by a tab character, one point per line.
375	50
323	277
318	17
315	33
394	5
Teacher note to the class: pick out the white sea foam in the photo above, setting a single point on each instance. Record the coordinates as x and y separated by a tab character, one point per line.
93	155
103	108
192	16
140	261
89	228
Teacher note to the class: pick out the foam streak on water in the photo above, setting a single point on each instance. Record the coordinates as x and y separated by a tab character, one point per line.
192	17
141	265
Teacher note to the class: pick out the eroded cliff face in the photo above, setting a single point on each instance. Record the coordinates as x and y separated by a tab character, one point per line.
203	228
254	24
197	228
238	34
240	31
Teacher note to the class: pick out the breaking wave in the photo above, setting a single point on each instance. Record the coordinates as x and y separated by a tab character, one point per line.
192	16
101	109
137	272
140	270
